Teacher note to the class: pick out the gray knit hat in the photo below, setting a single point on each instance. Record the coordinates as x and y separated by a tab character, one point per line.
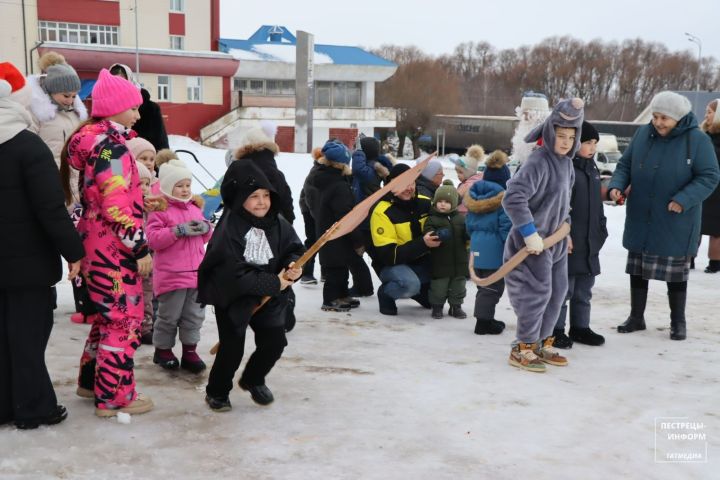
61	78
670	104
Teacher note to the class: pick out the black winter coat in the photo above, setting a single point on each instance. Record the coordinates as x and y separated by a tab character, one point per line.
151	125
37	229
711	205
424	186
329	196
226	280
265	161
588	229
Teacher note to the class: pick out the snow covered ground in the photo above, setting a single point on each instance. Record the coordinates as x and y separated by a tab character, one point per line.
361	395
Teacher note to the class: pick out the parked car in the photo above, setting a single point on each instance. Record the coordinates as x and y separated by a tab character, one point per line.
608	154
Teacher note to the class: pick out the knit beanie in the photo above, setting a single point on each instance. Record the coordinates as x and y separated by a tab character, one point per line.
431	169
336	152
588	133
143	171
112	95
138	145
171	173
447	192
670	104
396	171
61	78
371	147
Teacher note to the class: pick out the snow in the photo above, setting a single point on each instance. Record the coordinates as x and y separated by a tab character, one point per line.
276	53
361	395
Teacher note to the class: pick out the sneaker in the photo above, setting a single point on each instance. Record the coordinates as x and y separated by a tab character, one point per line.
166	359
190	360
84	392
561	340
353	302
387	304
141	404
308	280
218	404
585	336
354	292
437	311
56	416
484	326
548	354
260	394
523	356
335	306
456	311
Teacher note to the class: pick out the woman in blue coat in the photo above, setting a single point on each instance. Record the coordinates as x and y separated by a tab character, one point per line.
672	168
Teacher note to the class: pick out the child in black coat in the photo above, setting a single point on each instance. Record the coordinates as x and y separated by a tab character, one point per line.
250	256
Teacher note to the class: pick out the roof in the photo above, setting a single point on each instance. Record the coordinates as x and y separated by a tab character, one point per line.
273	43
699	101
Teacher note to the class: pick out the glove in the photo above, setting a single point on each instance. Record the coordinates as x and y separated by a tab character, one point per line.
193	228
534	243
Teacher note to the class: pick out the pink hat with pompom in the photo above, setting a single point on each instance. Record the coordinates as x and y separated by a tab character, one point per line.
113	94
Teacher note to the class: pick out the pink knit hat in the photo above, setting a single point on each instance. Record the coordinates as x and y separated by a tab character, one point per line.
113	94
138	145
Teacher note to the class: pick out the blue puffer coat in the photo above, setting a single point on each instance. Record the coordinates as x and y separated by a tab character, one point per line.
679	167
486	223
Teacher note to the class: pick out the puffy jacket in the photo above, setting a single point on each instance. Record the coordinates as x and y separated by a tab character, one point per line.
463	188
679	167
366	174
176	259
450	259
487	224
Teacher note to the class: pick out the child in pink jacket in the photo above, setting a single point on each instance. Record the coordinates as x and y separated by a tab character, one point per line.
117	254
178	236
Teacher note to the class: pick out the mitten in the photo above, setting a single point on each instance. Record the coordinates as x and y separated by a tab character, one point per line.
534	243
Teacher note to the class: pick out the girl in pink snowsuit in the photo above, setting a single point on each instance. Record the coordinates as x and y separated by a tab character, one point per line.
111	228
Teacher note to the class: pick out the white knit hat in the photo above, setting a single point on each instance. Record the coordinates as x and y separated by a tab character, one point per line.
143	171
171	173
670	104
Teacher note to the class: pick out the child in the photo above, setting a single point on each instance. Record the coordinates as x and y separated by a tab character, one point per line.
250	256
162	157
449	260
587	236
488	226
143	152
537	201
466	169
178	236
111	227
146	328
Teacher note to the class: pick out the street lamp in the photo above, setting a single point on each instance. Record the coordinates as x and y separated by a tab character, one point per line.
696	40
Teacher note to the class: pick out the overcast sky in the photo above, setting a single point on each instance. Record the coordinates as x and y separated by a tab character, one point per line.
437	27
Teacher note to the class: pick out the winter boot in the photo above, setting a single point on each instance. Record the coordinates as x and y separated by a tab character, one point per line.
166	359
58	414
456	311
141	404
260	394
190	360
437	311
562	340
307	280
354	292
422	297
548	354
636	320
387	303
335	306
353	302
218	404
677	302
84	392
584	336
523	356
146	338
489	326
713	266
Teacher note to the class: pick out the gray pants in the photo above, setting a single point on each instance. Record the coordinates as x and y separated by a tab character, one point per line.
178	309
488	297
450	288
579	294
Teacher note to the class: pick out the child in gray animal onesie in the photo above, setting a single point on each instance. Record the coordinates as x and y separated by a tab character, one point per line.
537	201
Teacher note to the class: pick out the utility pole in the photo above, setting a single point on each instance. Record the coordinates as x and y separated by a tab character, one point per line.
137	47
696	40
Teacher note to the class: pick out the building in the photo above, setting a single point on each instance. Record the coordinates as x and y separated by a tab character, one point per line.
181	67
699	101
264	88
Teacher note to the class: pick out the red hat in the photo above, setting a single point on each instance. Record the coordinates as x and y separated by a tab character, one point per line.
11	80
113	94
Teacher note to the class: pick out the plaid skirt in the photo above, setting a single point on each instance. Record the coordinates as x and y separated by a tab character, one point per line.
656	267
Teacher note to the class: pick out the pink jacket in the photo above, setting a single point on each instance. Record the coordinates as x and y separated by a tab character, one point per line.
463	188
176	259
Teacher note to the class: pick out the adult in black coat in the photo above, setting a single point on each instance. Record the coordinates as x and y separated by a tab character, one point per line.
711	205
151	125
37	232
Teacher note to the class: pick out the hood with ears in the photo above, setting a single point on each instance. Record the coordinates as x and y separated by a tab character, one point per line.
568	114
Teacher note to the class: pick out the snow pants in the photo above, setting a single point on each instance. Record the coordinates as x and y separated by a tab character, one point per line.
487	298
178	310
115	288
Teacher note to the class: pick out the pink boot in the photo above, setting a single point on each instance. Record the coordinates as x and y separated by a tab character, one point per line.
78	317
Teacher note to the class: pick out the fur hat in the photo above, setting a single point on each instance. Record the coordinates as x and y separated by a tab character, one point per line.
336	152
431	169
447	192
670	104
256	139
496	169
112	95
588	133
164	156
139	145
171	173
533	101
11	80
59	76
143	171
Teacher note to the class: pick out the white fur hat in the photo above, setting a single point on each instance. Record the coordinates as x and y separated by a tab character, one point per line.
670	104
534	102
255	139
171	173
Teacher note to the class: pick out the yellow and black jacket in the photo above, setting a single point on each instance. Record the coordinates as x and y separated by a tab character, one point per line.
396	229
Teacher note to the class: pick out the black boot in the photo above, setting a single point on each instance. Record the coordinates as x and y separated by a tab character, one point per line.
636	320
386	302
713	266
456	311
489	326
422	297
585	336
677	315
561	340
437	311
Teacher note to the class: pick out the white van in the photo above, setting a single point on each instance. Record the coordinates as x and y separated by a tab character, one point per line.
608	154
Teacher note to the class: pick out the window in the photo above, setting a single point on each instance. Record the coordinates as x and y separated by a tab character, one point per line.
163	93
323	91
177	42
338	94
177	5
78	33
194	89
280	87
